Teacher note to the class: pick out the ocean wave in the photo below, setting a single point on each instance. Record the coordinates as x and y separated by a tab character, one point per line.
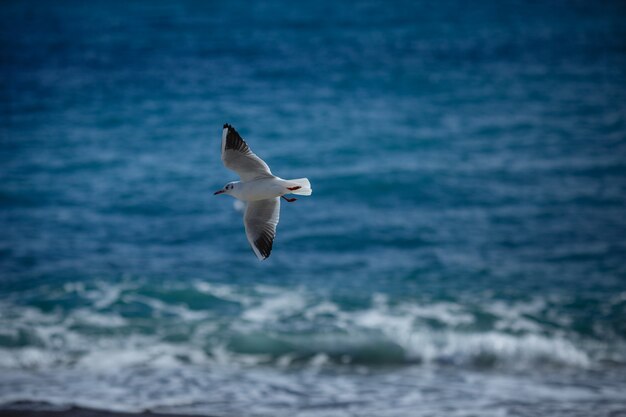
265	325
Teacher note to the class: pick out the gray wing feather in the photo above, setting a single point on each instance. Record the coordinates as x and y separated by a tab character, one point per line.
237	156
261	219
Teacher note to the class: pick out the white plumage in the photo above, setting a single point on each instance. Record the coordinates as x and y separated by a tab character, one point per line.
259	188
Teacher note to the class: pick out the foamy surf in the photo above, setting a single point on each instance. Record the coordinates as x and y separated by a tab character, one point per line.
277	350
279	326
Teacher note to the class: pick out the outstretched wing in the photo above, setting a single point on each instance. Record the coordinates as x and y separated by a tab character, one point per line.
260	219
238	157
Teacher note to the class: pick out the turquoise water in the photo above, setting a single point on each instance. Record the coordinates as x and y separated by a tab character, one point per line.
462	254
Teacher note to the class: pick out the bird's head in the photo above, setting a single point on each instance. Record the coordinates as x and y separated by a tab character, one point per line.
228	188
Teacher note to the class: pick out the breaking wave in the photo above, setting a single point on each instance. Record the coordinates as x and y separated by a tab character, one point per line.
117	326
186	348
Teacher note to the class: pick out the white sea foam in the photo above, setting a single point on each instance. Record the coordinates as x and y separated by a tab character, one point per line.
224	292
224	391
275	305
298	328
141	372
160	307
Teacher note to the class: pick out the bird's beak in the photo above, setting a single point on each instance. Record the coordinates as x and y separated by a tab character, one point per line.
219	192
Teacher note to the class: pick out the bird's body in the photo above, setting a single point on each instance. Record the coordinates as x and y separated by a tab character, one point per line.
259	188
263	188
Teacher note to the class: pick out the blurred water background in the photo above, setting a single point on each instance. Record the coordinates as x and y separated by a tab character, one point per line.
463	252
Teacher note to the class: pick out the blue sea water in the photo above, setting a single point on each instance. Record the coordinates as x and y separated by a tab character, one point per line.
463	252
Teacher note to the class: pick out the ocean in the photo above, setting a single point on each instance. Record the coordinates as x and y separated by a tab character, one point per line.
463	252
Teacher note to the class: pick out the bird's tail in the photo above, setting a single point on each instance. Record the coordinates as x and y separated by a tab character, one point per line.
301	182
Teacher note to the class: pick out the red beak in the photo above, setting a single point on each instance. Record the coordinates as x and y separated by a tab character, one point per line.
219	192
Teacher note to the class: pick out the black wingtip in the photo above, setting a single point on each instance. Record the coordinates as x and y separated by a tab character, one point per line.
264	245
234	141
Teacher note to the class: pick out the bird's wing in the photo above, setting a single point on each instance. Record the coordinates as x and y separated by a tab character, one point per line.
260	219
238	157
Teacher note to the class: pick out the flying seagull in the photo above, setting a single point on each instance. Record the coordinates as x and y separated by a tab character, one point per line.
259	188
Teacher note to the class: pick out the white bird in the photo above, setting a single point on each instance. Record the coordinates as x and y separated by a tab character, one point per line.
260	189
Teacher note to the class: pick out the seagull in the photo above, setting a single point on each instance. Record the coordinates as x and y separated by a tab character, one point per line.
259	188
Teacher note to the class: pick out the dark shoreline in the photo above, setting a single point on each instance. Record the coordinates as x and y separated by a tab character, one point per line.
39	411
